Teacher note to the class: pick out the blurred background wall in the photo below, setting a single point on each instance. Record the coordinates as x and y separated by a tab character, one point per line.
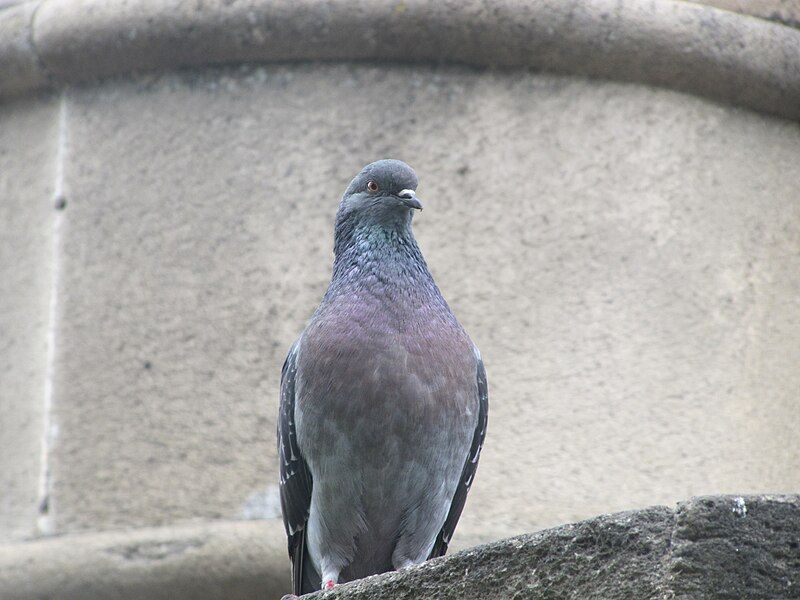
612	210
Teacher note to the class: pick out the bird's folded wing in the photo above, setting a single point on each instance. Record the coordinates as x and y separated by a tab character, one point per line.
296	481
470	465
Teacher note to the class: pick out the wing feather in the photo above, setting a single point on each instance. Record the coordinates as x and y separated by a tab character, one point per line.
470	466
295	482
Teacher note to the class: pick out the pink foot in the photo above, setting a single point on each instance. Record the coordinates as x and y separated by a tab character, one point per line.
328	585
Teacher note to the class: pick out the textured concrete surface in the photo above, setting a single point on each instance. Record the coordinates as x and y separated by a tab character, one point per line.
678	45
717	547
27	173
219	561
625	257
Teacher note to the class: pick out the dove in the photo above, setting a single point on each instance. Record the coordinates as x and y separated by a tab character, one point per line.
383	400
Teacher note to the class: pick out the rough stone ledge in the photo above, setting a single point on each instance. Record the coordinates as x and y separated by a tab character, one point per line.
720	547
684	46
736	547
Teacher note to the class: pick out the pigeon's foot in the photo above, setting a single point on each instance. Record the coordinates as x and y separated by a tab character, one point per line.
330	576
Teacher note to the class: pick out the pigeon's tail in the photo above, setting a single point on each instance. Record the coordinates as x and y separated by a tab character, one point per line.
304	576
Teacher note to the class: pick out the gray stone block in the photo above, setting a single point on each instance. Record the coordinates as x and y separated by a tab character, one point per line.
28	135
625	258
736	548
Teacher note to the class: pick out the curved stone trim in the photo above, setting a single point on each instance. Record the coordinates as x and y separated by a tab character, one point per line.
20	69
786	12
688	47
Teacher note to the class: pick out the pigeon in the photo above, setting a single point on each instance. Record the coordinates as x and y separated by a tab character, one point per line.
383	401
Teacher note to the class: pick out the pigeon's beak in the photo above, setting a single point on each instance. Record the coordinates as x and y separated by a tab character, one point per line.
409	199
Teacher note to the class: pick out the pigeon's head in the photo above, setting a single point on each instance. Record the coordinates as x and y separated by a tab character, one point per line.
383	193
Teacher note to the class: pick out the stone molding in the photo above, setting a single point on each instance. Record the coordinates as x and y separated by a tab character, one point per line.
781	11
717	54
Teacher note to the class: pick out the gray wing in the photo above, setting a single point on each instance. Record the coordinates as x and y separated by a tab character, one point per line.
470	466
296	481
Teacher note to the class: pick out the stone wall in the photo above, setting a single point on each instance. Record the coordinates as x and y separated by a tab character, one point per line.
617	229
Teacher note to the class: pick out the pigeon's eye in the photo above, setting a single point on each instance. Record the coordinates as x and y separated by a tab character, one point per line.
372	186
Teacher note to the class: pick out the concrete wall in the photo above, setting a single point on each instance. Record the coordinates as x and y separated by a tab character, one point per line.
626	257
28	134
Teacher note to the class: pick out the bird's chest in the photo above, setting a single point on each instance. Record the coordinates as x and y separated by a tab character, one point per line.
368	377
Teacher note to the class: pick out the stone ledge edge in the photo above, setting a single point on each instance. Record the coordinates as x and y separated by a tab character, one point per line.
247	559
697	49
681	526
